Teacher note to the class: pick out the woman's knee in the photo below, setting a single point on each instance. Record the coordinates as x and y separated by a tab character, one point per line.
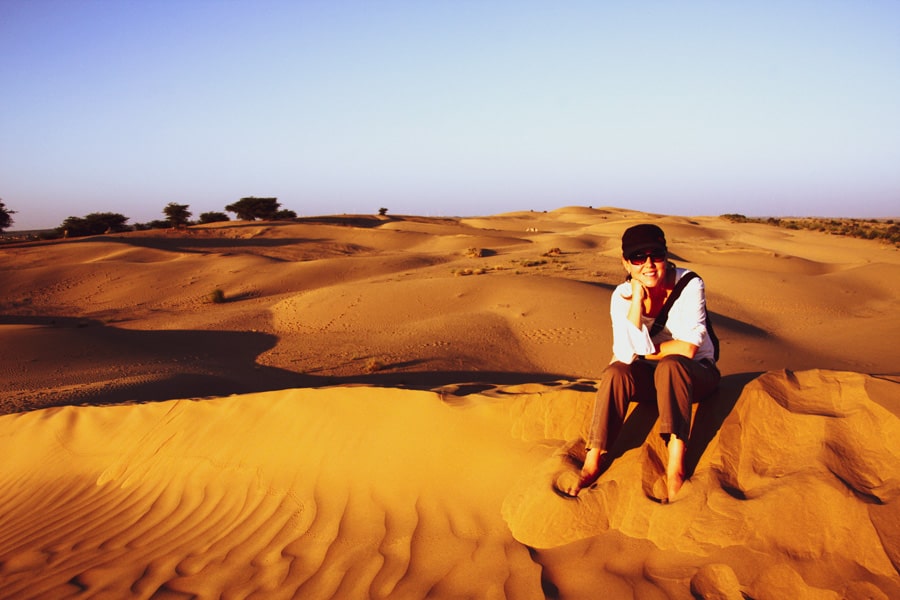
617	376
673	365
617	370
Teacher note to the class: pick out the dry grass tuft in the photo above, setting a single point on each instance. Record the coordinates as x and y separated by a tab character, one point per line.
374	365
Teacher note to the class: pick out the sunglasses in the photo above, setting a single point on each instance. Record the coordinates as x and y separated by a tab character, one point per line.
639	258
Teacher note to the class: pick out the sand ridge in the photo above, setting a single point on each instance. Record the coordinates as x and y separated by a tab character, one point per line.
252	493
357	492
378	407
781	298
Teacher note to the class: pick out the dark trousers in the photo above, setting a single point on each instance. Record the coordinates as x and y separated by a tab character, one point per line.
674	383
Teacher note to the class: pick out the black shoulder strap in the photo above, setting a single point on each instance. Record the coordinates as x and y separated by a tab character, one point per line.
663	315
712	335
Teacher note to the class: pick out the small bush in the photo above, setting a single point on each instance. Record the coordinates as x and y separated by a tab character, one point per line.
533	263
468	271
735	217
373	365
217	296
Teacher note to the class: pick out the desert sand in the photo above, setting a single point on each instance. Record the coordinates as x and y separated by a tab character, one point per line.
378	407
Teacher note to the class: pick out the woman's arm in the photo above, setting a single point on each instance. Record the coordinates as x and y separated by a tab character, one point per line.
630	337
671	347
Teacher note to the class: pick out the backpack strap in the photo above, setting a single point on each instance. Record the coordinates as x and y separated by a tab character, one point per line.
663	315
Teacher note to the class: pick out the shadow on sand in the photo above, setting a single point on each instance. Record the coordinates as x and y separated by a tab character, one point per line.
102	364
708	418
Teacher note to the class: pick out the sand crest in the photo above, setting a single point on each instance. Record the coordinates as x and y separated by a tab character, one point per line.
363	492
379	406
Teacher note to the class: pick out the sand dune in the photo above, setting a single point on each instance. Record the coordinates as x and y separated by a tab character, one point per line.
801	475
343	492
377	411
355	492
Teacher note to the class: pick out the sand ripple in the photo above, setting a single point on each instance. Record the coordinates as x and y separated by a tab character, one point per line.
350	493
362	492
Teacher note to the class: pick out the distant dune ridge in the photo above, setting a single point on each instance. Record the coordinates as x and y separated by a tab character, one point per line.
379	405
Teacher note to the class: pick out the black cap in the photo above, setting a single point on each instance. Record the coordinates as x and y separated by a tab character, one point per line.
642	237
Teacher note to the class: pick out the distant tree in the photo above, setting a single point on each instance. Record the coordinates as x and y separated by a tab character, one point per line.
154	224
213	217
93	224
5	219
382	211
284	215
178	214
252	208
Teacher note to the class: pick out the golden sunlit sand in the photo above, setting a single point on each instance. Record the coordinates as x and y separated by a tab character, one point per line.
379	405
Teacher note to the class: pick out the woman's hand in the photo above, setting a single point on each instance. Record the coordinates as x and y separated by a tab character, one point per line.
638	290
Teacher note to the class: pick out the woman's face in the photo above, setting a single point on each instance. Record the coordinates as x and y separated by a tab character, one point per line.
647	267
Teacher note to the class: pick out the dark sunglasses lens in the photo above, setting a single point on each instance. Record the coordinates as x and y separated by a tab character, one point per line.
638	259
641	257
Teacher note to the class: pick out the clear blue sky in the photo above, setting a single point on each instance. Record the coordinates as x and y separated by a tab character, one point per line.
449	107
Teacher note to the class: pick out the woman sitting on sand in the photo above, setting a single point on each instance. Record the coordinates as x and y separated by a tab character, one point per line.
675	366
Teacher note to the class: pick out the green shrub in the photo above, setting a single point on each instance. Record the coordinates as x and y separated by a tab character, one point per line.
213	217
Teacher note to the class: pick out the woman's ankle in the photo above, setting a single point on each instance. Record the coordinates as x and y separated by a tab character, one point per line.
594	462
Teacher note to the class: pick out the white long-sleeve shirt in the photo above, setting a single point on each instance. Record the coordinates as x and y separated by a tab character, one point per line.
686	322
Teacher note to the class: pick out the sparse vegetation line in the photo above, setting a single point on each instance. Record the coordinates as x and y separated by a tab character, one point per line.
886	230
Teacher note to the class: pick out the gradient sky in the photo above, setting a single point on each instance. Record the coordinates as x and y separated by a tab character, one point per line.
427	107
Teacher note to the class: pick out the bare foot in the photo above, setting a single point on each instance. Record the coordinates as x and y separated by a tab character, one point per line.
569	485
675	467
